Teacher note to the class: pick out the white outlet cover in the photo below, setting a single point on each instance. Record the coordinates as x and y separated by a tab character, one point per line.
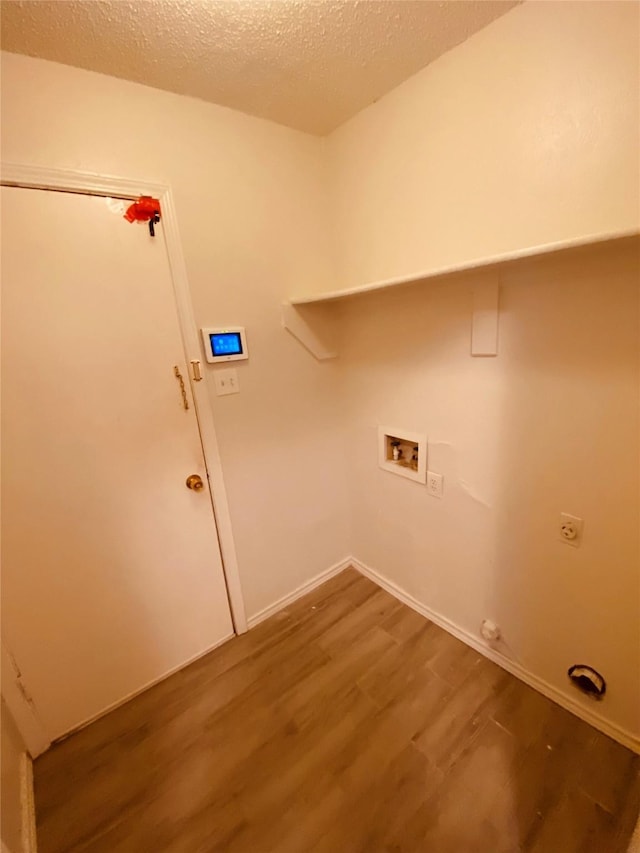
226	382
435	484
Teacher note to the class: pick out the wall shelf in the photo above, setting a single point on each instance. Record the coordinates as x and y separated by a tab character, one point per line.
310	318
466	266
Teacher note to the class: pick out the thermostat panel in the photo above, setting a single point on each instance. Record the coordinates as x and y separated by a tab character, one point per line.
229	344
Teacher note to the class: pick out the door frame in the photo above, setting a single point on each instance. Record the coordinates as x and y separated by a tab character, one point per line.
87	183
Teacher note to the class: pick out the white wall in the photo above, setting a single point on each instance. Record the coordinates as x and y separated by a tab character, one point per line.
523	135
551	425
252	212
12	750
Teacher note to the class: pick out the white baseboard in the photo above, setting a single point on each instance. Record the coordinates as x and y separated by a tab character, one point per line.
599	722
27	805
306	587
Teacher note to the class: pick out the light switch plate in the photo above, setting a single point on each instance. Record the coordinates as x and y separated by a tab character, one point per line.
226	382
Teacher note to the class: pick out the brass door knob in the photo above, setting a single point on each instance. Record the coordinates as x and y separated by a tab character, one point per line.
194	481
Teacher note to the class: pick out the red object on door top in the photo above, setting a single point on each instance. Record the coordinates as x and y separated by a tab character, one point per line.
144	209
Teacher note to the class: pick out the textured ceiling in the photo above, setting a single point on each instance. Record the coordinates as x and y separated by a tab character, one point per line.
309	64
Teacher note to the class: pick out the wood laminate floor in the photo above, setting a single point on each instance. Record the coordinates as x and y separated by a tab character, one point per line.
346	723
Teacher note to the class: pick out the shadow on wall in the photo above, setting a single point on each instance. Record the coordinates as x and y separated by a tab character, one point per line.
406	363
568	442
549	426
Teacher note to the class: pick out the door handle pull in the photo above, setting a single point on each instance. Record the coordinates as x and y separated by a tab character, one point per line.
183	390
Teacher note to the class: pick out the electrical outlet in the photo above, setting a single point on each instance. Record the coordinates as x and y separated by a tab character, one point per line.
226	382
571	529
435	484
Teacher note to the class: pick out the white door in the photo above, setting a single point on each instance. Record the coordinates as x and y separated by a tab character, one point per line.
111	570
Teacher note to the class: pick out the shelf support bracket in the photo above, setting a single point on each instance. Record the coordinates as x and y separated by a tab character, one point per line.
313	326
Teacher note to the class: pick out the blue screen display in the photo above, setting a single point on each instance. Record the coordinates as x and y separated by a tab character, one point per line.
226	343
